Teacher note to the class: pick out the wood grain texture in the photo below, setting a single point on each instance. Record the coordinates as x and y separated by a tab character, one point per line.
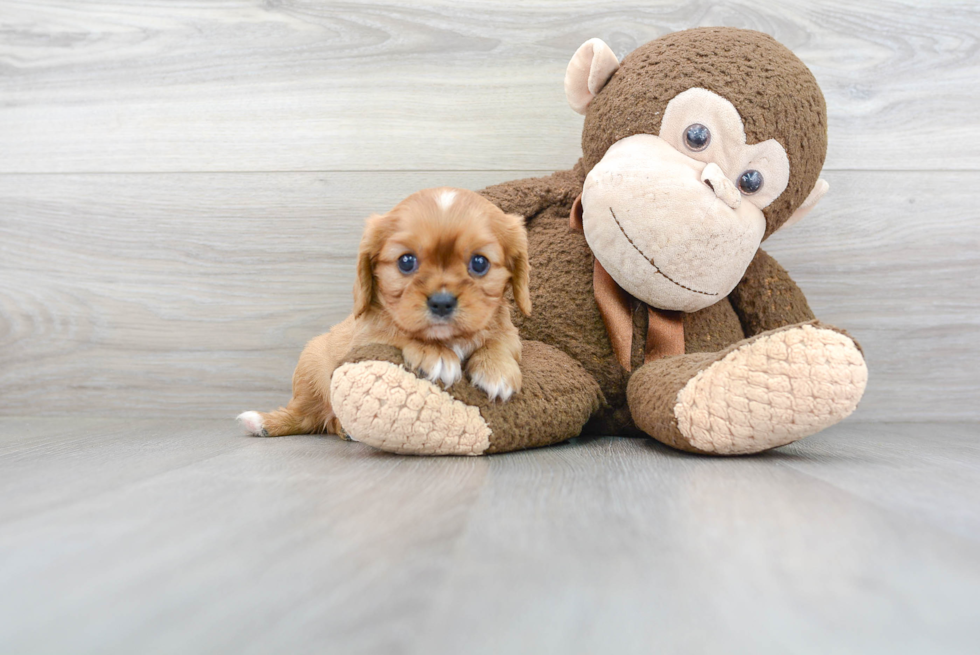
143	536
155	294
894	258
192	291
182	188
290	85
147	294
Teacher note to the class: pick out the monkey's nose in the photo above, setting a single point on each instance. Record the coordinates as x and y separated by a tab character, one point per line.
442	304
724	189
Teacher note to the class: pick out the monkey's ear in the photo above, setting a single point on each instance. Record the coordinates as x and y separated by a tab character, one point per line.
590	68
819	189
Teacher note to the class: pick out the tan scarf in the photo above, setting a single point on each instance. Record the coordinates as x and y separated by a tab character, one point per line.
665	329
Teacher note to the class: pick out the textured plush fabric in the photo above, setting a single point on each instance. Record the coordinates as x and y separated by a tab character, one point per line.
587	73
650	204
732	152
556	399
774	92
767	297
399	412
565	312
696	401
530	196
762	392
818	192
384	405
665	329
567	317
616	307
652	394
772	390
713	327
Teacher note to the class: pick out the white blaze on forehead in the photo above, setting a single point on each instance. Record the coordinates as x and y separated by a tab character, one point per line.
445	199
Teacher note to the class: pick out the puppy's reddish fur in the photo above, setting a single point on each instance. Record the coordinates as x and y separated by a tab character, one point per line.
444	228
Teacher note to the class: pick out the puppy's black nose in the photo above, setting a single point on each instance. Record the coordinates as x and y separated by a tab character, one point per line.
442	304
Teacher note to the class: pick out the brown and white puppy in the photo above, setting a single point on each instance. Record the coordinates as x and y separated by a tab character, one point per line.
431	278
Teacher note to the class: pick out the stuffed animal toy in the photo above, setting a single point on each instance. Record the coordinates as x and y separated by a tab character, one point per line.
654	309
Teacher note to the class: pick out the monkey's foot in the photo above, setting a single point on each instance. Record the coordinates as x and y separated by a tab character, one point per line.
771	391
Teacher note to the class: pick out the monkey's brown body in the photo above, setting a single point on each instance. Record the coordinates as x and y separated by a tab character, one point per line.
567	317
756	370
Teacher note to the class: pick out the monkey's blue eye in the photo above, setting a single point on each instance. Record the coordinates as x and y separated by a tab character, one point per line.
479	265
408	264
697	137
749	182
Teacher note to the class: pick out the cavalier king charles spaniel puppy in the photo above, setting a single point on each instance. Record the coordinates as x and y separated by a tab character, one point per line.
431	280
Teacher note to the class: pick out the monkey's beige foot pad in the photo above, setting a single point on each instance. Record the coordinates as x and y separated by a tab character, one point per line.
383	405
772	391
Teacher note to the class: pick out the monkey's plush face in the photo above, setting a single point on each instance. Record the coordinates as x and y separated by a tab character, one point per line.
697	147
676	218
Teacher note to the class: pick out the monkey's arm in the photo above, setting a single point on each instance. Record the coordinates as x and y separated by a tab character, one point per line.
382	404
532	195
767	298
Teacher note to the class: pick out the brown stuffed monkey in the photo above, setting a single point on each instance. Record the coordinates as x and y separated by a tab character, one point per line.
654	307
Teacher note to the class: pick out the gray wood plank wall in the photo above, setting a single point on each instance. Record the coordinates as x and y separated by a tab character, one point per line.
182	185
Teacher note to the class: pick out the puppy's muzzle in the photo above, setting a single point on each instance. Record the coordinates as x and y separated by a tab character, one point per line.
442	304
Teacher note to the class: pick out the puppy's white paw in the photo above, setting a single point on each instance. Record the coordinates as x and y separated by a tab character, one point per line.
435	363
252	422
499	375
446	370
495	388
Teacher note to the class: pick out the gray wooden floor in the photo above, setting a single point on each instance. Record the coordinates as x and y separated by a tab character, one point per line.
149	536
182	187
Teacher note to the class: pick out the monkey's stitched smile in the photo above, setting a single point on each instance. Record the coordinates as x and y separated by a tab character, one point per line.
652	263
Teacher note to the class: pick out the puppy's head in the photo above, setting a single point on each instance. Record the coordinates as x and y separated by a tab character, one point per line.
440	262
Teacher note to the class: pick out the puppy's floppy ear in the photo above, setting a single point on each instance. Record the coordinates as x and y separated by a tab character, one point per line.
514	241
376	231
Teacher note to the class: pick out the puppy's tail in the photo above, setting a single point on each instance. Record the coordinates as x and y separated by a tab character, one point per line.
283	422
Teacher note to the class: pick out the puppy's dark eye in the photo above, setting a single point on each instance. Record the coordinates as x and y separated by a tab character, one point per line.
697	137
749	182
408	264
479	265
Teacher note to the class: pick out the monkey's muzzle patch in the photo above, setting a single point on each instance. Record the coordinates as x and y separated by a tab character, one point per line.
664	234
